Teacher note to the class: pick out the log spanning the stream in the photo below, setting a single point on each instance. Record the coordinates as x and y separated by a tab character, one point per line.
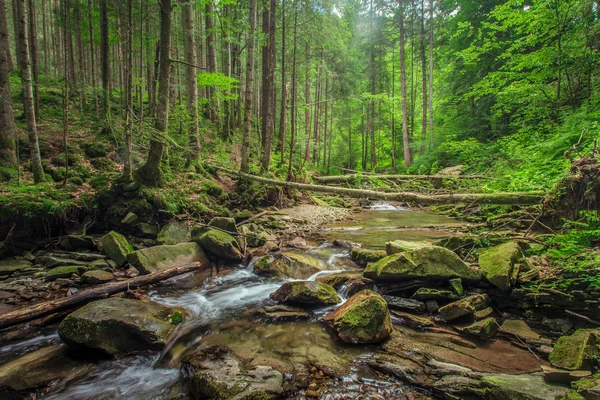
393	177
511	198
30	313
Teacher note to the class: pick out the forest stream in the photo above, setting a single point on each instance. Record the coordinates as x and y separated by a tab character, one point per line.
291	352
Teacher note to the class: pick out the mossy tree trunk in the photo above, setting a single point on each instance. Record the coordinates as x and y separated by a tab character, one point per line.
8	156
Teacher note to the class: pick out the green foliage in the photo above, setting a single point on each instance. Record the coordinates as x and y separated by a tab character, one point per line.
176	317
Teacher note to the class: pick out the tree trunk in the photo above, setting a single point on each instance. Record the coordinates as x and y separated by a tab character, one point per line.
33	50
211	57
330	135
92	58
97	293
307	109
294	111
268	123
128	56
150	173
191	85
316	153
431	135
325	119
28	106
393	112
66	35
284	87
423	80
8	157
245	166
80	56
104	58
407	155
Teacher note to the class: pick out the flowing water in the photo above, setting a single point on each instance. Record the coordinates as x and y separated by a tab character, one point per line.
226	299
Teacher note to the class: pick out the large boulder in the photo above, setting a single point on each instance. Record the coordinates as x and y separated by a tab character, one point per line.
156	258
306	294
484	329
224	223
499	264
255	235
117	326
364	318
575	351
218	243
64	272
400	246
115	246
289	264
465	307
431	263
174	232
364	256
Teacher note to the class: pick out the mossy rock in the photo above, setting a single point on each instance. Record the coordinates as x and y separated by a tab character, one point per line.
224	223
156	258
339	279
211	188
499	264
364	256
484	329
574	351
289	264
431	262
117	326
96	277
456	285
465	307
66	271
9	267
425	294
219	244
306	294
146	230
242	215
400	246
115	246
588	388
174	232
255	235
364	318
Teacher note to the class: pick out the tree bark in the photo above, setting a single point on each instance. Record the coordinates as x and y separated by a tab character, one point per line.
431	135
268	95
128	56
28	106
307	99
104	58
191	85
294	111
423	80
245	165
33	50
66	35
211	56
8	157
150	173
30	313
284	86
405	140
515	198
394	177
92	58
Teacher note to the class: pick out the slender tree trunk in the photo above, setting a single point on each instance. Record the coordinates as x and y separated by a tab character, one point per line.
80	56
245	165
423	80
127	165
25	67
294	111
105	58
363	142
326	93
316	152
350	160
8	156
268	97
150	173
407	155
431	24
16	32
189	51
33	51
284	87
45	41
93	58
211	56
393	111
66	36
330	135
307	109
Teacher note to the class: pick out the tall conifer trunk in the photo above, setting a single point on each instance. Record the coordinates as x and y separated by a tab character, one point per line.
245	165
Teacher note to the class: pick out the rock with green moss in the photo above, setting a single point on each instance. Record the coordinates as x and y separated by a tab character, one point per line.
401	246
575	352
146	230
425	294
289	264
224	223
219	244
499	264
339	279
521	329
174	232
255	235
117	326
18	266
243	215
156	258
364	318
309	294
519	387
37	370
589	387
456	285
484	329
431	263
99	265
364	256
115	246
66	271
463	308
96	277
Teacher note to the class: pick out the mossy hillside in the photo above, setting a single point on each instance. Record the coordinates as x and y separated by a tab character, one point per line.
432	262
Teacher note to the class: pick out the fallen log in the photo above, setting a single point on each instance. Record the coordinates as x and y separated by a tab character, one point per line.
394	177
514	198
26	314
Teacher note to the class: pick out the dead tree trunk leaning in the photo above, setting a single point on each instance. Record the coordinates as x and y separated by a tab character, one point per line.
150	173
100	292
520	198
25	66
8	156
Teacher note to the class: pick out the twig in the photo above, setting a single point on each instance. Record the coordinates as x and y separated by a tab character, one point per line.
583	317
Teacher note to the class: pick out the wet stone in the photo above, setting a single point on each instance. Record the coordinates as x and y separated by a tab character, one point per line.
432	306
402	304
